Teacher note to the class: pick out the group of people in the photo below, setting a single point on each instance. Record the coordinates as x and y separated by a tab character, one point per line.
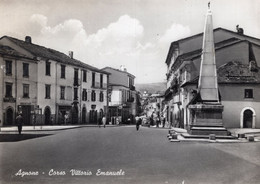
102	121
157	120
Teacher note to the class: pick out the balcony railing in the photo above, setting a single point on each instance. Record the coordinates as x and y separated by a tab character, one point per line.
132	87
10	99
132	99
77	82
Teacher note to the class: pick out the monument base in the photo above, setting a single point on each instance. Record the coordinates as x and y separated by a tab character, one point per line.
207	119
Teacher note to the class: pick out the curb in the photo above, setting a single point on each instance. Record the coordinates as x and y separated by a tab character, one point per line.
58	129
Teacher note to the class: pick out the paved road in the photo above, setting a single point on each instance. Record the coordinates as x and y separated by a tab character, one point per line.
144	156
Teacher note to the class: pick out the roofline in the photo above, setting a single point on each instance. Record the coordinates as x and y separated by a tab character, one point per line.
216	29
225	46
195	82
16	56
200	34
108	67
85	65
119	85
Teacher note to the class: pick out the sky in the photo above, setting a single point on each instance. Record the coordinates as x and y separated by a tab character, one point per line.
135	34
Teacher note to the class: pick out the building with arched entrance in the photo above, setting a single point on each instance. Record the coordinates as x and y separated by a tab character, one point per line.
238	75
248	118
46	86
18	81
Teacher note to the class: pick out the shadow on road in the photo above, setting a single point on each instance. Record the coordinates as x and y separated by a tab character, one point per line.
22	137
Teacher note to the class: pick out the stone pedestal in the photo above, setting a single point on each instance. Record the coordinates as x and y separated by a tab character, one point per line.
207	119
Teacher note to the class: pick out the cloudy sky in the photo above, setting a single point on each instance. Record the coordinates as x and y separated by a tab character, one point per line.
133	33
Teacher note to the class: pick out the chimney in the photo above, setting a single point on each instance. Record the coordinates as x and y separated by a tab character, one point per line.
240	30
122	67
71	54
28	39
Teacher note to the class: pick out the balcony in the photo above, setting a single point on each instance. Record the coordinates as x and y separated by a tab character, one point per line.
132	87
96	85
132	99
10	99
77	82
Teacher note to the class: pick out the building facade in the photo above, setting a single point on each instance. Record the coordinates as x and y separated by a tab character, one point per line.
18	85
49	87
238	72
122	93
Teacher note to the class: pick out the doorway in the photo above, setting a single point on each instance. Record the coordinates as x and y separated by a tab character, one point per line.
9	116
84	113
47	116
248	119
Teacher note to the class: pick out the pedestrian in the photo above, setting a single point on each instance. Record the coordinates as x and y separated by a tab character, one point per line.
99	122
138	122
19	122
151	120
104	121
66	117
157	121
163	121
52	120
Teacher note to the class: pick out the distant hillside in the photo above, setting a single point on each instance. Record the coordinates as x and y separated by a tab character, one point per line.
151	87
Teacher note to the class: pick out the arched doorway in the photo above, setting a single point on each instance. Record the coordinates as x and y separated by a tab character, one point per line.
9	116
93	116
248	119
47	116
75	114
84	113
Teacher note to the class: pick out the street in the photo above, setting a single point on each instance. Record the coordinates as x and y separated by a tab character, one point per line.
124	155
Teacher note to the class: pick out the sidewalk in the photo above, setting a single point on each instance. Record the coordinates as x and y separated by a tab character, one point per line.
47	128
182	135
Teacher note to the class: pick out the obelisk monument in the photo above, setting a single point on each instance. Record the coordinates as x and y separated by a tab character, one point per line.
207	109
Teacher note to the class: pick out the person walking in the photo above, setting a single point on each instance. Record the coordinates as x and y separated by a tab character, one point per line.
157	121
163	121
19	122
138	122
99	122
104	121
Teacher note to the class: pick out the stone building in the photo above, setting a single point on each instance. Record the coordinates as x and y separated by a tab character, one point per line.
237	61
122	93
61	89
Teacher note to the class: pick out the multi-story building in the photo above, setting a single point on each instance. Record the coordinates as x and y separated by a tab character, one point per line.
122	94
61	89
237	62
18	81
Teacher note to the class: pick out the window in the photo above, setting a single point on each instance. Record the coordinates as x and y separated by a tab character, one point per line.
248	93
76	77
101	96
62	92
93	96
8	87
101	80
26	91
47	91
93	79
84	95
75	93
84	76
25	70
8	67
62	72
130	81
48	68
